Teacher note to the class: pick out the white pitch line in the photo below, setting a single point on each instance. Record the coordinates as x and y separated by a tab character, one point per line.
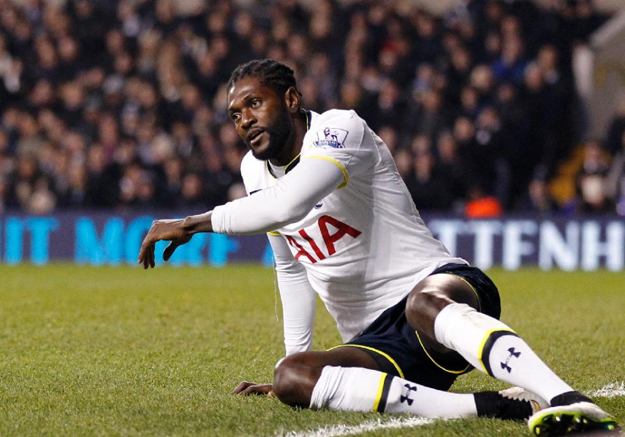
372	425
612	390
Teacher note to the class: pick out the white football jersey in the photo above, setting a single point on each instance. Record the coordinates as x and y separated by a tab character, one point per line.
364	246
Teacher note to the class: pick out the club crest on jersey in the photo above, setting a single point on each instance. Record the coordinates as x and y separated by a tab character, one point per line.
331	137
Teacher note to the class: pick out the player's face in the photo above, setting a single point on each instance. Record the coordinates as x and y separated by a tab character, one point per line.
261	118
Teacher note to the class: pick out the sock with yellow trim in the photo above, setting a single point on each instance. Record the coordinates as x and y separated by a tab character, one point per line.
492	347
359	389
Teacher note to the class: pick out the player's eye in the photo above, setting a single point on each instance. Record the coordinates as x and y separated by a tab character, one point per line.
235	117
255	103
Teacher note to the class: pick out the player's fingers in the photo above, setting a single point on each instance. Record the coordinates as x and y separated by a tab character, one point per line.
248	391
239	388
152	257
257	389
145	255
169	250
141	254
145	245
146	261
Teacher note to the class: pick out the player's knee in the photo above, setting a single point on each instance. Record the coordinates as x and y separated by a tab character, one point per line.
422	307
433	294
293	382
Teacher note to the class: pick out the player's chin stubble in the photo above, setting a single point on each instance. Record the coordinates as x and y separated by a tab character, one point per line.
279	134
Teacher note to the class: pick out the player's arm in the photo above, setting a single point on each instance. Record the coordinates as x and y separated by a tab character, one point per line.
288	201
297	296
298	308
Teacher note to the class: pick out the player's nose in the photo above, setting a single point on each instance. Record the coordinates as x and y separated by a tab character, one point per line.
247	120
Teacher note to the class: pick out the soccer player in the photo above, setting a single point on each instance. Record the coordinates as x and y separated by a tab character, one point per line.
342	225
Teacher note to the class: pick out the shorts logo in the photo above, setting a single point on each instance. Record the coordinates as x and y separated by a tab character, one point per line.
406	396
331	137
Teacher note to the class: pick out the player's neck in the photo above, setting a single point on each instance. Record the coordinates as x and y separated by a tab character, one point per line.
295	141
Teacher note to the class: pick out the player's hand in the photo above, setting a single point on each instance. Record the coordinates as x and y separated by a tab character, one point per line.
250	388
168	230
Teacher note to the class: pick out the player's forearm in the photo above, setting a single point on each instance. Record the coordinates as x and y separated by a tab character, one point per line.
288	201
298	311
297	296
298	306
198	223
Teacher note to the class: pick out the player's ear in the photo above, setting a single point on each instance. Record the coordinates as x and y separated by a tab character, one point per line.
292	100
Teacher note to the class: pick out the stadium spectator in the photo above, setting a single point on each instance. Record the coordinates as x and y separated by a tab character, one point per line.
428	187
592	179
403	161
615	188
616	130
538	199
450	165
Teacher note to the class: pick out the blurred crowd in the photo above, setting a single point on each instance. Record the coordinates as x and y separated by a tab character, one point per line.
122	103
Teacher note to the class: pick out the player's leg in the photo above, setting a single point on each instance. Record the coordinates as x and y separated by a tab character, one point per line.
296	376
348	379
443	310
440	309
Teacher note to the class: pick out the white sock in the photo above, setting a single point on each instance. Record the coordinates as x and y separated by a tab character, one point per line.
360	389
492	347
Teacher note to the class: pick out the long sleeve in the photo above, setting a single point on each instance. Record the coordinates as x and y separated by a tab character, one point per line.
297	296
289	200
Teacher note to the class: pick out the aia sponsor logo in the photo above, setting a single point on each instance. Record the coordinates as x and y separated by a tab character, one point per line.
331	229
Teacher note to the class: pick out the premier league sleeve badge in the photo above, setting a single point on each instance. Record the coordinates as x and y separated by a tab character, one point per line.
331	137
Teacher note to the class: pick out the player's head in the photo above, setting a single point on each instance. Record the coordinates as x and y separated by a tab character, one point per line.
263	101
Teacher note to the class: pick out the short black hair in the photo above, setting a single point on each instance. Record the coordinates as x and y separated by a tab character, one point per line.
271	73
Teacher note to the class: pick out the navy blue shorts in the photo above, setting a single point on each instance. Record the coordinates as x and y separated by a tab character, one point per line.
399	351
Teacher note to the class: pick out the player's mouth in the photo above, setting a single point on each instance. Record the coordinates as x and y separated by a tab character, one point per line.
254	137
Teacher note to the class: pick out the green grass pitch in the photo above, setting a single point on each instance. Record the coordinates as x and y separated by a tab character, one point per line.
122	351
